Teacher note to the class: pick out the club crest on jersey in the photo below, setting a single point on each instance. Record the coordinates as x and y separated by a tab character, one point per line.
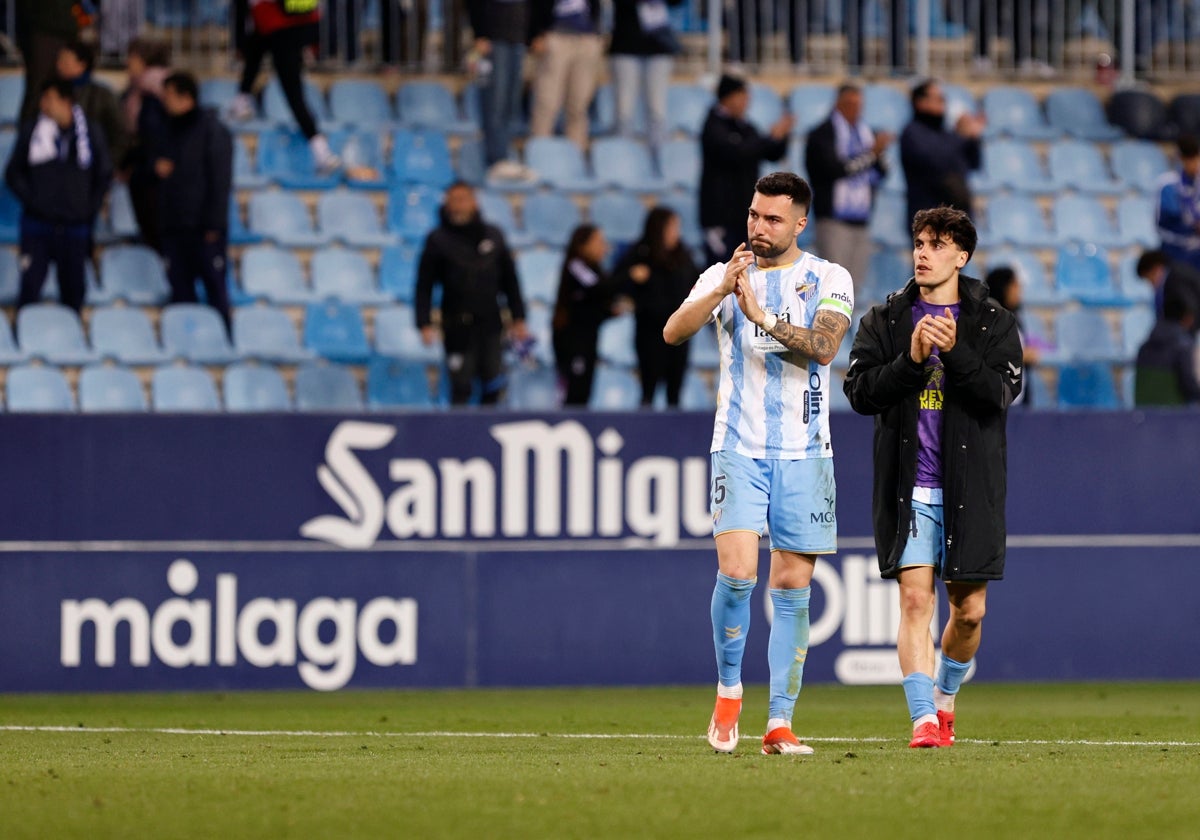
807	287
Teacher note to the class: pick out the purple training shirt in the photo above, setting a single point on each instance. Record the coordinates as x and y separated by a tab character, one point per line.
929	415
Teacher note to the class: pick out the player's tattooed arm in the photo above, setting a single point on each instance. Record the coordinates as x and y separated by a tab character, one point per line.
819	343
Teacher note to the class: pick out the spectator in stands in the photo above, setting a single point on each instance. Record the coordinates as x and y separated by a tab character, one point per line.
402	25
855	21
43	28
732	150
642	51
936	160
1179	206
657	272
844	159
76	60
1170	280
500	28
1166	362
565	38
585	301
59	171
1004	286
474	266
195	173
146	126
284	31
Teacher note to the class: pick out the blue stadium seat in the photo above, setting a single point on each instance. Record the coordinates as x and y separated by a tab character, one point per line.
335	331
345	275
10	214
285	158
1078	164
559	163
1082	274
532	387
686	206
413	212
604	113
626	164
1016	164
1080	218
888	271
250	387
10	277
1134	291
889	221
398	383
398	271
1036	288
351	217
195	331
326	387
615	389
1019	221
894	180
267	334
538	271
1078	112
1015	112
885	108
1038	392
12	92
239	234
53	332
397	337
124	333
362	103
10	353
423	104
134	274
283	217
766	107
119	222
1084	335
245	174
1138	164
680	162
959	101
1136	324
275	108
183	389
616	344
421	157
1136	221
699	393
271	273
34	388
810	104
687	108
550	217
106	388
470	164
1087	386
360	150
217	93
539	323
497	210
620	215
703	351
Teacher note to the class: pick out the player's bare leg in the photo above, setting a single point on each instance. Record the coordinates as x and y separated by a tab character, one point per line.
914	646
960	641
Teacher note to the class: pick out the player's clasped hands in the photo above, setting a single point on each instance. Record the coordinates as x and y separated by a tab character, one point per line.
742	259
931	331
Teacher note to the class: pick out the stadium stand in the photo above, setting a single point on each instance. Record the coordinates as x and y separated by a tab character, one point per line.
183	389
37	388
110	389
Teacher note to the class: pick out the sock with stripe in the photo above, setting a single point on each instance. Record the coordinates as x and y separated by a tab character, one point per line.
918	690
731	621
787	649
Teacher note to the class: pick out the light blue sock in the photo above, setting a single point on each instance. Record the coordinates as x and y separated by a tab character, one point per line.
951	673
918	689
787	649
731	621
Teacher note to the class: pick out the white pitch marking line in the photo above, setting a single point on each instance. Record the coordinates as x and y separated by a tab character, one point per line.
594	736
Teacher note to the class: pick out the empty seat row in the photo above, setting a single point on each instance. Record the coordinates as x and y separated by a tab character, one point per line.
1132	166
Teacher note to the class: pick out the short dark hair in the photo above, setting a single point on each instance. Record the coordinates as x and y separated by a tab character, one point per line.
947	223
848	87
1150	260
1188	146
81	50
789	184
154	52
185	83
63	87
921	90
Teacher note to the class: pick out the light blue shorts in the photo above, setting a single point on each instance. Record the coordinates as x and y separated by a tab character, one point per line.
926	544
797	500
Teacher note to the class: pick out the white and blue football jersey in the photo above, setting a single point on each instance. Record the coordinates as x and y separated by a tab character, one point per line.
773	402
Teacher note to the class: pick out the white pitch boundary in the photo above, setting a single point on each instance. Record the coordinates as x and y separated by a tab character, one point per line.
581	736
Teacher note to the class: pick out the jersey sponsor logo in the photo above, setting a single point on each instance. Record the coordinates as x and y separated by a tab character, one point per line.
813	397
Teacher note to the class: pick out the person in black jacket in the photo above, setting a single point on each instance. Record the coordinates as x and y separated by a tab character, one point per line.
471	261
732	150
584	302
935	160
60	171
938	364
844	159
1166	361
195	174
1171	280
657	272
642	51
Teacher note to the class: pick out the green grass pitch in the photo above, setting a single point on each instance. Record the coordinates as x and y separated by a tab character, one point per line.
1063	760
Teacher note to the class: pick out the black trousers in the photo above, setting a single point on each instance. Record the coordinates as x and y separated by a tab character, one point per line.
659	361
68	247
575	358
286	47
474	355
191	256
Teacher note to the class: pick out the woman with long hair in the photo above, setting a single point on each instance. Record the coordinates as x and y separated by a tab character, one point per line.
657	273
585	300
